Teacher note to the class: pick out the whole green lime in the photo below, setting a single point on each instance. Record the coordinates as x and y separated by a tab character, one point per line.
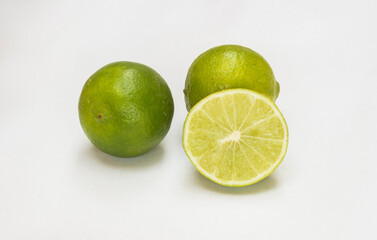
229	66
125	109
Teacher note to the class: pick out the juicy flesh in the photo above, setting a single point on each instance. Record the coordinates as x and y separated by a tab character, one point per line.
236	137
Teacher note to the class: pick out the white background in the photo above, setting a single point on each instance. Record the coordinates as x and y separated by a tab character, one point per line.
55	185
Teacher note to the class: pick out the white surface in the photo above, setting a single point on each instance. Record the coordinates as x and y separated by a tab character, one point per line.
55	185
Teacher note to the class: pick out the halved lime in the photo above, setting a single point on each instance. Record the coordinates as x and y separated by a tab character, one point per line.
235	137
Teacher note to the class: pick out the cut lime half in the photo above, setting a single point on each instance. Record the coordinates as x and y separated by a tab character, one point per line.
235	137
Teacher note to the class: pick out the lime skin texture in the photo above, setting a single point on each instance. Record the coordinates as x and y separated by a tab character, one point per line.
125	109
225	67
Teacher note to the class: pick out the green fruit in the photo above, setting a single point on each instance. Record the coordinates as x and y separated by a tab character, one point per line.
235	137
125	109
225	67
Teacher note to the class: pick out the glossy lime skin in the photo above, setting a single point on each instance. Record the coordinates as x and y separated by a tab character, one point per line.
225	67
125	109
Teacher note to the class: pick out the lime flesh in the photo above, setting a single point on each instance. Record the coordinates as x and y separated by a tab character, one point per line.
235	137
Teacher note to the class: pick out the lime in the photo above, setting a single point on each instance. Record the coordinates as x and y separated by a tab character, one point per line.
125	109
229	66
235	137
